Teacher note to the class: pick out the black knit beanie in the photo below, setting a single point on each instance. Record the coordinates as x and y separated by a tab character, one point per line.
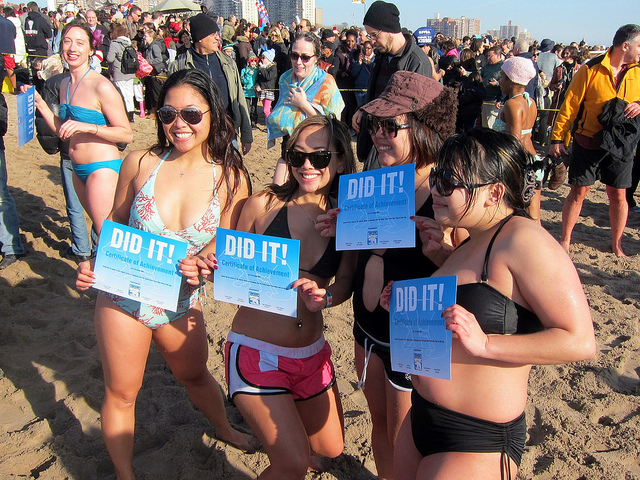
383	16
202	26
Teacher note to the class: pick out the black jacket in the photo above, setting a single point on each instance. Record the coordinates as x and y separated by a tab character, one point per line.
36	32
49	141
619	135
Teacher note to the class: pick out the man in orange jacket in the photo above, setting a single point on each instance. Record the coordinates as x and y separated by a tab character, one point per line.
615	73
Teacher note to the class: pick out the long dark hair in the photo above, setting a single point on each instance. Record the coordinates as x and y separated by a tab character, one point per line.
484	156
220	149
341	140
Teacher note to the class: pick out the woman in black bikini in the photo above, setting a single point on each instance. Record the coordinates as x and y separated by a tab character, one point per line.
278	368
407	123
510	314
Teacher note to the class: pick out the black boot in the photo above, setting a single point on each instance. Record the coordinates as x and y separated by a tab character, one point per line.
130	115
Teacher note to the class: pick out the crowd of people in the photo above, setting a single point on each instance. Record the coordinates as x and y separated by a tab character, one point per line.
465	112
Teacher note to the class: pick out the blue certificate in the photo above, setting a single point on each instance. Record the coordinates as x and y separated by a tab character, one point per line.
375	207
420	343
256	271
139	265
26	116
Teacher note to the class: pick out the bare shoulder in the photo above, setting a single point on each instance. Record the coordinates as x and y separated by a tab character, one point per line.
526	245
104	88
139	163
259	203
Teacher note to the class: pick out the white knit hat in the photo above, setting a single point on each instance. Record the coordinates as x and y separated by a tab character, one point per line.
520	70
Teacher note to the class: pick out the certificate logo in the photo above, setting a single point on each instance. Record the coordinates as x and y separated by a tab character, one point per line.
134	290
417	361
372	236
254	298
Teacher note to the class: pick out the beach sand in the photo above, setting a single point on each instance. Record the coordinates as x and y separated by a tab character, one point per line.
583	419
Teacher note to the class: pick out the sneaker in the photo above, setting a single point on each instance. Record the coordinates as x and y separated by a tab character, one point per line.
557	177
77	257
9	259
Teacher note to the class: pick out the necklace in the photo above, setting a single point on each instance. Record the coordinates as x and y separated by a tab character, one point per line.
312	220
182	172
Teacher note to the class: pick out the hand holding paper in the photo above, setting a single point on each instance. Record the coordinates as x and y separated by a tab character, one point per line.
312	296
464	324
86	278
326	223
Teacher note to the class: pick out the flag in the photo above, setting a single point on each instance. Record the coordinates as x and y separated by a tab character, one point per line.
262	13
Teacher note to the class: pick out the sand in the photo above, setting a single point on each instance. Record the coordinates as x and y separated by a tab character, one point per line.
583	419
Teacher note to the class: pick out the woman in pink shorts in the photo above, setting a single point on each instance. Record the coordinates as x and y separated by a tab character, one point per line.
278	368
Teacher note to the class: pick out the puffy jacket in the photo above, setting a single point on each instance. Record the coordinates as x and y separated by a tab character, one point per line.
592	86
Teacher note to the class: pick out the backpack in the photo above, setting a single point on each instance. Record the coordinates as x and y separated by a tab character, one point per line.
129	63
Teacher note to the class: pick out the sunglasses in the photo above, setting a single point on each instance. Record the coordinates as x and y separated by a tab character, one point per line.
319	160
304	57
190	115
445	182
389	126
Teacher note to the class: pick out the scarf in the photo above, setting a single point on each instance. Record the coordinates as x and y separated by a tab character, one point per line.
322	92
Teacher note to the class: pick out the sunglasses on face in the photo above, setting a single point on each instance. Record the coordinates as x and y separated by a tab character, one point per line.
446	184
319	160
304	57
190	115
389	126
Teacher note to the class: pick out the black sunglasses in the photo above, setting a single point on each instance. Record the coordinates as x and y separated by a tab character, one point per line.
190	115
389	126
444	181
319	160
294	56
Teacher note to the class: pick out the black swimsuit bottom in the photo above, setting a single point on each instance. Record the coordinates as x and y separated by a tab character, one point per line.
437	429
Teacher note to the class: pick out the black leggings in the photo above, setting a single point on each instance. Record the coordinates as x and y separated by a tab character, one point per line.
436	430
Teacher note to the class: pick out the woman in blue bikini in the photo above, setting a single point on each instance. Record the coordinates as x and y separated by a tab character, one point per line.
186	186
93	118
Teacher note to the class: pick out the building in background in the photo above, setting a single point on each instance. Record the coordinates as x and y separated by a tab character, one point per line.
455	27
286	11
509	30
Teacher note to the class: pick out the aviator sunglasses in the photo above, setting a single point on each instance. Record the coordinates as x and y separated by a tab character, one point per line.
190	115
443	180
389	126
294	56
319	160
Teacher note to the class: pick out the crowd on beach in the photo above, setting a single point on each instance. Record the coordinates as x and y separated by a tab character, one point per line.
467	113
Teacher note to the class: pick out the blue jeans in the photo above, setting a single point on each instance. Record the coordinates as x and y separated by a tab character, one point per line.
80	244
9	221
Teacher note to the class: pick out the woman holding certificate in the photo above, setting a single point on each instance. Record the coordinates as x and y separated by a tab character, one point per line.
509	315
278	368
187	185
408	123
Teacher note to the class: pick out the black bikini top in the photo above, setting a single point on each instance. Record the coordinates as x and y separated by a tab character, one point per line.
495	312
327	266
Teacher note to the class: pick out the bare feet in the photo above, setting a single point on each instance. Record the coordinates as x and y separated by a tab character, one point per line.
617	250
242	441
565	245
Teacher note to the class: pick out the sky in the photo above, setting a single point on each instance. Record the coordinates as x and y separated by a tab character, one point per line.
560	20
